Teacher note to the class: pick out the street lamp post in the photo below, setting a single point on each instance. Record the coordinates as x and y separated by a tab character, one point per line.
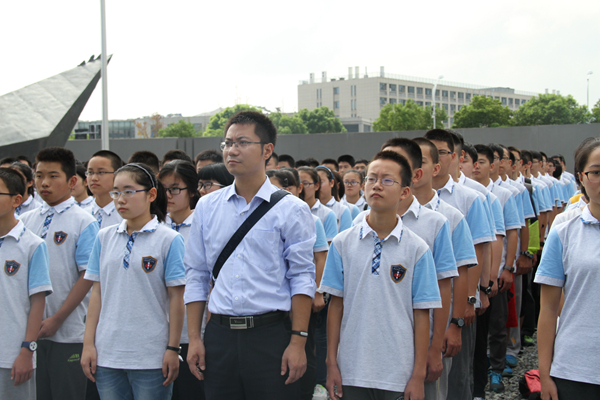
588	88
433	97
104	59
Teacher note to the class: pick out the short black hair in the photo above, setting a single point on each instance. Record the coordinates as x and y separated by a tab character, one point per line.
26	172
288	159
441	135
263	126
274	156
8	160
25	160
331	161
544	155
471	151
486	151
405	171
516	150
558	170
535	155
410	146
217	172
212	155
496	148
13	181
457	139
361	161
175	155
186	171
146	157
312	162
80	169
526	156
115	160
347	158
433	151
302	163
65	157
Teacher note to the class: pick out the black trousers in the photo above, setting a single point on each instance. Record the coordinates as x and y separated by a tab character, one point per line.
309	379
59	375
571	390
528	307
245	364
187	386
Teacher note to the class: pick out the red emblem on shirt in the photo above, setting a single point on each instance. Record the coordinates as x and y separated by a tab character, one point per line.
148	263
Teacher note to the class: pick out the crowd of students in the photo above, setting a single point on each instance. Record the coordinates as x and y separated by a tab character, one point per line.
420	274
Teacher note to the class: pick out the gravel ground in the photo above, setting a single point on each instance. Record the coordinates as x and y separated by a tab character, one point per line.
528	360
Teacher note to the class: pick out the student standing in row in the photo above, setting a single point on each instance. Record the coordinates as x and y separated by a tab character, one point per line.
80	191
328	195
101	173
29	201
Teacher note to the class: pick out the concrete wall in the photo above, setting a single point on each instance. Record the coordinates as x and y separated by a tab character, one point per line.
552	139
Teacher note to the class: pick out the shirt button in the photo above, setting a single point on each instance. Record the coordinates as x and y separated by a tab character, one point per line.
243	213
239	256
237	276
236	298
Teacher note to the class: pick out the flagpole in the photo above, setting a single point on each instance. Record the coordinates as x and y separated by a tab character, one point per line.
104	59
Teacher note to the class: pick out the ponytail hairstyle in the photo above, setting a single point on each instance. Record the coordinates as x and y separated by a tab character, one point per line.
285	178
340	190
315	178
294	173
331	177
186	172
27	174
144	176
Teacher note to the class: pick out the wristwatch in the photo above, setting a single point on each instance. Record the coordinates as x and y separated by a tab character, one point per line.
509	269
175	349
527	254
458	321
31	346
300	333
472	300
486	290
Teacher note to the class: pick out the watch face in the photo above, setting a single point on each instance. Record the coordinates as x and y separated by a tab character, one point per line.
461	322
472	300
32	346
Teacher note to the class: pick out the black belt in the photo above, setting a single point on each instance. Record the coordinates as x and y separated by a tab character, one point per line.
253	321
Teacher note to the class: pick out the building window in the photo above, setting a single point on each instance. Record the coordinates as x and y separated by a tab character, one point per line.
452	95
317	93
336	104
411	89
504	100
461	95
336	90
427	104
445	107
420	103
419	90
517	101
496	97
400	88
383	86
437	93
402	101
392	101
452	107
444	93
523	101
382	101
510	101
428	92
392	87
459	107
468	96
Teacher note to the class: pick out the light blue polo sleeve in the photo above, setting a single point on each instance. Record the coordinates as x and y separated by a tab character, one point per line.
174	268
332	281
355	211
321	242
330	226
538	202
39	273
512	220
527	207
462	244
547	197
84	245
519	202
93	268
498	217
443	254
425	290
478	223
487	205
551	270
345	220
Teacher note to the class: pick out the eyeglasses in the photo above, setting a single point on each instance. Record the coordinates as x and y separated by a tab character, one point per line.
207	185
125	193
242	144
9	194
351	183
444	153
307	183
99	173
593	176
369	180
175	190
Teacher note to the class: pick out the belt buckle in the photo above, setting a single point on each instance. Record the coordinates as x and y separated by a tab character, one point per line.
241	322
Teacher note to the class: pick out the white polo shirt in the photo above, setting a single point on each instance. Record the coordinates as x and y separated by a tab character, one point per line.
109	214
486	197
570	261
516	194
343	214
69	238
135	299
25	261
327	217
528	211
376	347
87	202
30	204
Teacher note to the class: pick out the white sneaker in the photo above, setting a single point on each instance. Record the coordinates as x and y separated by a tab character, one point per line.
320	393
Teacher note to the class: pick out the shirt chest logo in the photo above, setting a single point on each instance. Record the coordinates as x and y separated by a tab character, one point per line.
11	267
397	273
148	264
60	237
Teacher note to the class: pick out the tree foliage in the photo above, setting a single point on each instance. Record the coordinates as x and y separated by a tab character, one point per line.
483	112
321	120
287	125
551	109
408	117
179	129
216	124
596	113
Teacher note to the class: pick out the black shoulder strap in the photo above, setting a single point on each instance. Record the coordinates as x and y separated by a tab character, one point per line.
237	237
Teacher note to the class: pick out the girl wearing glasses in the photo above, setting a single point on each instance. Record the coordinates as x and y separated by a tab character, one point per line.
213	177
568	358
135	315
311	188
353	185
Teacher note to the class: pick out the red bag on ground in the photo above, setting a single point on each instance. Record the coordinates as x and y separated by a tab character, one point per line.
513	319
530	385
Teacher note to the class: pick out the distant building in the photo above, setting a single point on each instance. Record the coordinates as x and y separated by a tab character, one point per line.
357	99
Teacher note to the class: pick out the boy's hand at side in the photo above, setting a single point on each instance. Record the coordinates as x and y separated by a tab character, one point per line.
414	390
170	367
89	357
334	382
22	369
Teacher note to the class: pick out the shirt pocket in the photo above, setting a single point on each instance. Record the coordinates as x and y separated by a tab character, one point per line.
263	249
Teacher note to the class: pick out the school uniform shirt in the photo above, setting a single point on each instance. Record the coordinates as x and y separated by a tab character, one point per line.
578	204
272	263
516	195
360	203
69	235
25	261
321	240
87	202
134	273
343	215
379	280
184	230
327	217
30	204
568	215
510	216
106	216
570	261
462	242
528	211
541	196
546	190
486	197
434	229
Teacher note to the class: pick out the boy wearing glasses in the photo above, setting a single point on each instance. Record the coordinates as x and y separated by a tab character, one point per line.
382	280
69	233
100	176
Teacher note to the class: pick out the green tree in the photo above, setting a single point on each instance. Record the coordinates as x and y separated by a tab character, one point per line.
551	109
596	113
179	129
408	117
482	112
216	124
321	120
287	125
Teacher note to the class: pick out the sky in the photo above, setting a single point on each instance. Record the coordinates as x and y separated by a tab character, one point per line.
189	57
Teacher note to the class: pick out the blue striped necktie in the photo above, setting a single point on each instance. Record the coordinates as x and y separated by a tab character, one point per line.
99	217
376	255
18	210
47	222
130	242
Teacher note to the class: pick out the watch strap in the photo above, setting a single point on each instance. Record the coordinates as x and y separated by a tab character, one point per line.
175	349
300	333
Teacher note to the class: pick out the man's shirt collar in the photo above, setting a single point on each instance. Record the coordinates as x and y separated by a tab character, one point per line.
365	229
